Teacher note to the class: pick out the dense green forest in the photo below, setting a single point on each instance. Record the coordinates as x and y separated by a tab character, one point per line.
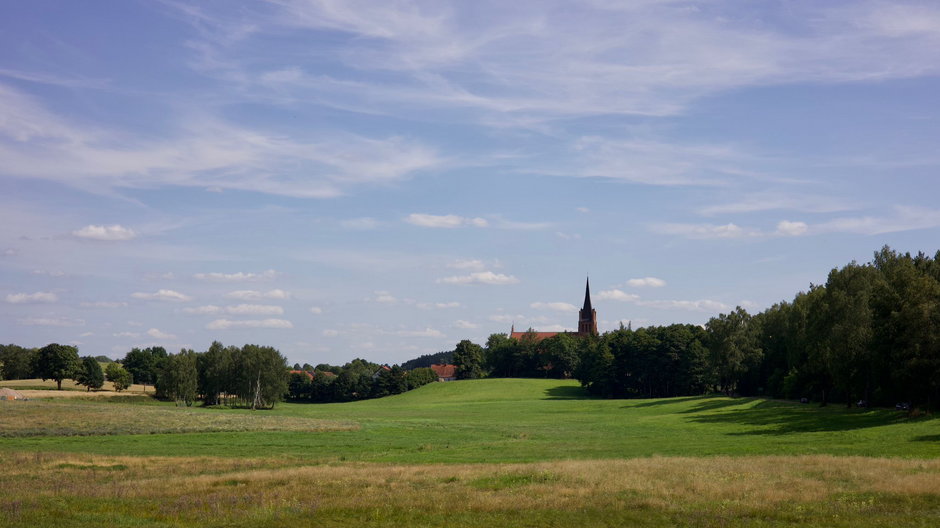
871	334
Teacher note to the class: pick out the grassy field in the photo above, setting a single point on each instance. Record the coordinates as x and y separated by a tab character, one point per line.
477	453
37	388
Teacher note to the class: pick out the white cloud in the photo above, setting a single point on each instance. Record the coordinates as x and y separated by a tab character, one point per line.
162	295
480	277
224	324
237	277
704	305
316	310
56	273
787	228
518	319
254	295
427	332
438	305
363	224
704	231
132	335
101	232
466	325
329	333
556	306
157	334
8	252
770	201
203	310
651	282
239	309
617	295
583	210
444	221
103	304
384	297
254	309
50	321
468	264
905	218
568	236
38	297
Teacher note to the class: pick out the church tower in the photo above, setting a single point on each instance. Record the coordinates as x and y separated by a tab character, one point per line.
587	317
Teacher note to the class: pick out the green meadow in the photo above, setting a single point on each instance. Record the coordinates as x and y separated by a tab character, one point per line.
500	420
469	453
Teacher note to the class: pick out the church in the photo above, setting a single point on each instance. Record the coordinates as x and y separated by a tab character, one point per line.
587	321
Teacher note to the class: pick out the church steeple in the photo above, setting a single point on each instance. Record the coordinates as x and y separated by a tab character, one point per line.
587	317
587	295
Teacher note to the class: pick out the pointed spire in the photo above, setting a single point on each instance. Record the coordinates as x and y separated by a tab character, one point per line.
587	295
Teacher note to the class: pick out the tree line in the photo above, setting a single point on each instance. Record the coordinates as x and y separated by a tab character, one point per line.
870	335
357	380
249	376
252	376
59	362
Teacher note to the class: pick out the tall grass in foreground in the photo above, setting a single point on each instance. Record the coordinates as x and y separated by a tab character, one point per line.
58	490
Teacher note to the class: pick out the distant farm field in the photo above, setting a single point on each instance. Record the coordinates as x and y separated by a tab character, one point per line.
499	452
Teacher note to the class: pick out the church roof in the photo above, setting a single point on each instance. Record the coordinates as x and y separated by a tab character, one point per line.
539	336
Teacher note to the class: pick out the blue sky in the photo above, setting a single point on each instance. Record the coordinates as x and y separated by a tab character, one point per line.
346	179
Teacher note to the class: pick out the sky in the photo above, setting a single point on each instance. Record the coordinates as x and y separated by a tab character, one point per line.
342	179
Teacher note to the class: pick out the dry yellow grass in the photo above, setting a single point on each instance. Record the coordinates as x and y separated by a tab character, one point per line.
71	389
71	418
201	490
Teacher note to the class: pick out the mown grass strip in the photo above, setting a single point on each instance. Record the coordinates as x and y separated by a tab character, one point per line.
65	418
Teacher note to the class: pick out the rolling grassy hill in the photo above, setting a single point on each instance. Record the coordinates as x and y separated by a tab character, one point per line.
514	420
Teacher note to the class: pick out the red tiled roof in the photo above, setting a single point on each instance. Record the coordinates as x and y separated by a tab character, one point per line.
539	336
445	371
309	375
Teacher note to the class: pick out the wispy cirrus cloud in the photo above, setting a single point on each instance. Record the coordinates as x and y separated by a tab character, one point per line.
203	152
504	65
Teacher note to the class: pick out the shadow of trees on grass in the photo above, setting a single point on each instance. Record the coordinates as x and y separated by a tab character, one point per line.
770	417
567	392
